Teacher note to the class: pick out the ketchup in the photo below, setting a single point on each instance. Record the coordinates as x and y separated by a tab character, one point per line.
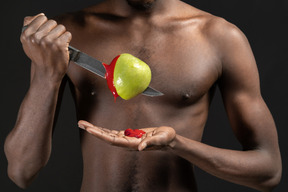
134	133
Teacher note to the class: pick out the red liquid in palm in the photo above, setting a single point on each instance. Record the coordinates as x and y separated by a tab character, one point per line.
134	133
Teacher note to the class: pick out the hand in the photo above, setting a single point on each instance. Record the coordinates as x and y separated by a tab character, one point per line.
46	44
154	138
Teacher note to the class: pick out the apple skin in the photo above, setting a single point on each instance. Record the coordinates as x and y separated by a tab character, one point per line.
131	76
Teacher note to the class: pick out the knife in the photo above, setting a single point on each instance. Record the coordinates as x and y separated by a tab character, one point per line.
95	66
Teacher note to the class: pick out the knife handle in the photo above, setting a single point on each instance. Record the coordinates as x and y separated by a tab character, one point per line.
73	53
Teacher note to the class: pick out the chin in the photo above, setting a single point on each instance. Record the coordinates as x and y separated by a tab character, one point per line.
141	4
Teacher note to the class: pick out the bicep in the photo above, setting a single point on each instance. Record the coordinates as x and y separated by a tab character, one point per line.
249	116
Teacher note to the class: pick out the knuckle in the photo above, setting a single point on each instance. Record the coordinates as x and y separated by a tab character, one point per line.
43	17
60	42
57	44
23	38
37	37
45	41
62	27
24	34
52	22
29	19
68	36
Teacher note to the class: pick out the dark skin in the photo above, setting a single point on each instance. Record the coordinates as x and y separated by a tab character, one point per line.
189	52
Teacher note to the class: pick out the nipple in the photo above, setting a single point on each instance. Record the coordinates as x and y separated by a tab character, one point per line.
186	96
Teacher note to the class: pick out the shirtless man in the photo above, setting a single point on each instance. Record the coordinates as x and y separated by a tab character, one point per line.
189	52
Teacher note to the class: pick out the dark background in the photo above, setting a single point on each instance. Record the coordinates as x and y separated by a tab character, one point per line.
263	21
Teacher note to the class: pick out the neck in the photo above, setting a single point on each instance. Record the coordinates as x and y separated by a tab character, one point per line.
140	7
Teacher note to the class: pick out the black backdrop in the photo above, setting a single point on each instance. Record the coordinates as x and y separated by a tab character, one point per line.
263	21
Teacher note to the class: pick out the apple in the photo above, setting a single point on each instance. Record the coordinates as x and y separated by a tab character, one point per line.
127	76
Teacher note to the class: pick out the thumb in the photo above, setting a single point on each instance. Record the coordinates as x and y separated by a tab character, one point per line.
29	19
142	146
147	142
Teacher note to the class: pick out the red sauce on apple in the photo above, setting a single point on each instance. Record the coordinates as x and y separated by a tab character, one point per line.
110	76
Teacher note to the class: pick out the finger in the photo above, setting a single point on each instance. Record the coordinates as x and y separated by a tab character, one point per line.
84	124
147	134
35	24
56	31
108	136
66	37
47	26
29	19
44	30
116	132
96	131
142	145
149	140
101	133
112	137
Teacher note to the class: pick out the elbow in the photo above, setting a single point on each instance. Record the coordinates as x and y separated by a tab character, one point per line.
21	169
22	174
270	180
19	177
271	183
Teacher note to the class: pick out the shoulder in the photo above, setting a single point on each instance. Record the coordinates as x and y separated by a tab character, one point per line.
229	44
224	36
216	30
238	65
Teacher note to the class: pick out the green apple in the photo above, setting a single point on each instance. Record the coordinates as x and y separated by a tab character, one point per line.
131	76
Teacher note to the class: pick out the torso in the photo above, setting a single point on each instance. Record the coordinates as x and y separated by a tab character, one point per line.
185	67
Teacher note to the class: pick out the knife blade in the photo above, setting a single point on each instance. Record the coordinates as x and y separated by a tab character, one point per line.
95	66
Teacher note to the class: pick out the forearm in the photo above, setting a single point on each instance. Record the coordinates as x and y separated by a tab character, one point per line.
254	168
28	145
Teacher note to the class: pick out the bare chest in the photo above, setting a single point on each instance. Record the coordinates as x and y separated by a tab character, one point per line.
183	68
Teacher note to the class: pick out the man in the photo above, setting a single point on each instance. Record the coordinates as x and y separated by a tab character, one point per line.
189	52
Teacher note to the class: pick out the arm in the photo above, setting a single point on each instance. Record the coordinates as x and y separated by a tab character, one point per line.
28	145
259	164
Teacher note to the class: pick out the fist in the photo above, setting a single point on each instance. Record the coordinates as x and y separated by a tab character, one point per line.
46	43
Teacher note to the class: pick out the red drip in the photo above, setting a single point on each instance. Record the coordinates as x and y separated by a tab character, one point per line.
110	76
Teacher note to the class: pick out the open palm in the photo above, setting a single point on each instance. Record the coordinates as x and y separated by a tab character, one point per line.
154	137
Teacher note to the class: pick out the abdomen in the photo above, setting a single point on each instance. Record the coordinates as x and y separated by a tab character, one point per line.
109	168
